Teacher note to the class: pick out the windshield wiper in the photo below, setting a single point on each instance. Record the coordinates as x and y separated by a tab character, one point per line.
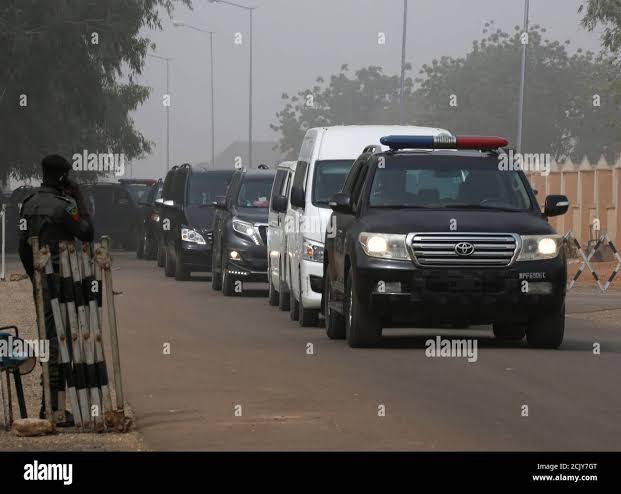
478	206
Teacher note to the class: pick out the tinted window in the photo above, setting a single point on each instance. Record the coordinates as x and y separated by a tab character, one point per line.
254	192
329	178
205	187
138	192
168	182
178	186
299	178
447	182
279	179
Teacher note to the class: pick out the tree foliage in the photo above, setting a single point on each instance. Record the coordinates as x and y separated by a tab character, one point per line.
67	71
569	109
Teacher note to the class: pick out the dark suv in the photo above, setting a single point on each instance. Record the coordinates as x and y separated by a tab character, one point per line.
186	218
430	238
240	232
149	222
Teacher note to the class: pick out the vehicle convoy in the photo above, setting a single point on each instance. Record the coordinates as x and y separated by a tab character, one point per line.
276	231
187	218
326	155
149	222
114	212
240	231
435	232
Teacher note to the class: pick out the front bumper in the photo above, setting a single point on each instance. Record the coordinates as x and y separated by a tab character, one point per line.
402	294
195	257
312	282
251	263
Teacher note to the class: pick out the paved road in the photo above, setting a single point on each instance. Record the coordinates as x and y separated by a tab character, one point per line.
239	351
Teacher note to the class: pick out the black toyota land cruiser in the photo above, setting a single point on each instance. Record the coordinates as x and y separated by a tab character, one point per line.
240	231
443	235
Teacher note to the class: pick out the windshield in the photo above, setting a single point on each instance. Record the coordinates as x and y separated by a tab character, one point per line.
255	192
329	178
138	192
205	187
447	182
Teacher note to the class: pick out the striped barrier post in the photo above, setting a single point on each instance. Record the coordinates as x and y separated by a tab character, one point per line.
71	292
40	308
63	346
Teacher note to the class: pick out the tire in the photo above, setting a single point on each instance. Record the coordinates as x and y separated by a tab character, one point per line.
546	330
216	276
182	273
228	283
161	255
306	317
362	329
294	307
169	265
335	322
140	246
273	297
509	332
283	294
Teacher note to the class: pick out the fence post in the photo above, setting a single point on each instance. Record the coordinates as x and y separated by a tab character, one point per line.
38	286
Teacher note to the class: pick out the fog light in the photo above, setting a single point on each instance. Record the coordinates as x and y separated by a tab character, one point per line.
234	254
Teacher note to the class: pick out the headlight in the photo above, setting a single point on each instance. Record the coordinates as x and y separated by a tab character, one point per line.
538	247
189	235
384	245
246	229
312	251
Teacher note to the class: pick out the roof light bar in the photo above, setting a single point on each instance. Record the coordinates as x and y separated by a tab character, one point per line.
443	142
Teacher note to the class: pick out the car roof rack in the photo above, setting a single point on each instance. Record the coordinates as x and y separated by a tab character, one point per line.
372	148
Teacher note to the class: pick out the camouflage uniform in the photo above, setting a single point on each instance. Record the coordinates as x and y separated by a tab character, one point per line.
52	215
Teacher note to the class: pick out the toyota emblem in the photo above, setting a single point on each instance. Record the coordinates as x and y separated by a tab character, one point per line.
464	249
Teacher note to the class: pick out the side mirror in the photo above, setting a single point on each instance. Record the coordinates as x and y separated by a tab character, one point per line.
556	205
279	204
220	202
298	198
341	203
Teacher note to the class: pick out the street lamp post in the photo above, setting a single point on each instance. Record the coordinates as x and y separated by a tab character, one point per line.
167	60
402	92
250	10
522	79
213	124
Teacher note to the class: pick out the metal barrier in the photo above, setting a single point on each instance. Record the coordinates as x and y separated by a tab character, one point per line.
75	296
586	260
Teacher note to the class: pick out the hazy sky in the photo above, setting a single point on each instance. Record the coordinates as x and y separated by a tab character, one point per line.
294	42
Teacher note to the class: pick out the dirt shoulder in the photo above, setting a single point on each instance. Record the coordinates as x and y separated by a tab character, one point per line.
17	308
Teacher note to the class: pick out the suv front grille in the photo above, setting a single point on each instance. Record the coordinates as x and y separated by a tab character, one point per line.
462	249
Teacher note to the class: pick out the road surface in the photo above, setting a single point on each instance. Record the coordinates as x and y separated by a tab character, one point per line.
239	376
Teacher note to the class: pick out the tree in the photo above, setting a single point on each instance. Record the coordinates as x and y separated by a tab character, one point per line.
608	14
366	97
68	69
478	94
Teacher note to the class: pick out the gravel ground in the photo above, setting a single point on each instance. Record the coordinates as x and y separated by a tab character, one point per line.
17	307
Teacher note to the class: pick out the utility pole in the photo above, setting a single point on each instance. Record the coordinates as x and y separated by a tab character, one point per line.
524	40
402	93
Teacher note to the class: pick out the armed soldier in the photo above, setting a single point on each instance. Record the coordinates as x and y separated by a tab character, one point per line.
54	212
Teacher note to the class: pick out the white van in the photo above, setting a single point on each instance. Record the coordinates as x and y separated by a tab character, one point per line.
276	234
326	156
